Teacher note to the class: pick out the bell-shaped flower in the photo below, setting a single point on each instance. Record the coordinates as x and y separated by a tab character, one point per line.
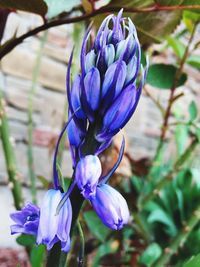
87	174
110	206
54	227
26	220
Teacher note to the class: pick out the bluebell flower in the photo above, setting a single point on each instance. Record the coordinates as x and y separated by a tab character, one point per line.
110	206
87	174
108	88
53	228
26	220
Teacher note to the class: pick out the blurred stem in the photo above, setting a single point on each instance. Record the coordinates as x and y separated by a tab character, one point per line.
9	155
35	75
171	97
179	163
179	240
82	244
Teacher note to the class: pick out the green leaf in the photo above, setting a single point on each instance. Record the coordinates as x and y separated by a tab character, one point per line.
43	181
193	111
198	134
177	46
162	217
37	256
56	7
151	254
33	6
163	75
96	226
169	2
25	240
104	249
193	262
181	138
194	61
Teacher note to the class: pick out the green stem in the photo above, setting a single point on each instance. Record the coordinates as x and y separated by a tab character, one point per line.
179	240
179	163
36	72
82	244
9	154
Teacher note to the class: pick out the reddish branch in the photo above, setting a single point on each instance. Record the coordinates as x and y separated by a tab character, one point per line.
13	43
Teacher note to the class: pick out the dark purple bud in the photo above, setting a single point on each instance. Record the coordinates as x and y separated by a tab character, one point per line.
120	112
110	206
92	88
75	135
75	97
117	34
53	228
26	220
87	174
114	79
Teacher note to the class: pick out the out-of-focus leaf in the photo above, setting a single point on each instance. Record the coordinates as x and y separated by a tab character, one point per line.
193	262
87	6
106	248
151	254
96	226
33	6
37	256
162	217
25	240
152	26
162	76
193	111
180	202
198	134
56	7
169	2
177	46
43	181
194	61
181	137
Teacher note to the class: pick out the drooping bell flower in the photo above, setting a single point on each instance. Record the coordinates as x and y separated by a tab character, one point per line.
26	220
87	174
110	206
54	227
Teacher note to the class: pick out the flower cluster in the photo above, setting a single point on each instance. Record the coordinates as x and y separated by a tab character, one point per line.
102	99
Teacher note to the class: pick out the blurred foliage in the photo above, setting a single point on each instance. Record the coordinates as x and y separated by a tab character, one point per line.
163	193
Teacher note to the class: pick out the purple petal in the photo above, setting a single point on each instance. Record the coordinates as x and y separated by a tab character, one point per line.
111	207
88	171
48	224
114	79
92	88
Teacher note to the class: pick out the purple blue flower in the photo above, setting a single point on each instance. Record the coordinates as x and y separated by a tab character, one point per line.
53	228
26	220
87	174
110	206
108	88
